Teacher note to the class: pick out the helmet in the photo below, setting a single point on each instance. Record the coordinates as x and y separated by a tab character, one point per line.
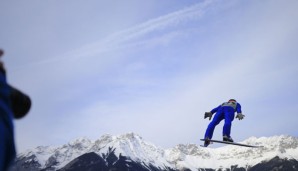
232	100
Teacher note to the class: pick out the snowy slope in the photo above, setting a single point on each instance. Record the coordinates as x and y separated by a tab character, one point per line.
181	156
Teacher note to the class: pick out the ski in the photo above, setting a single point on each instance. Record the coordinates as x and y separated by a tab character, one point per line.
232	143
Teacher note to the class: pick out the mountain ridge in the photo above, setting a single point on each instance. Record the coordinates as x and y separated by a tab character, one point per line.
133	149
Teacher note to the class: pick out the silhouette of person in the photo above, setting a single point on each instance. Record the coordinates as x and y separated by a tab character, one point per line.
13	104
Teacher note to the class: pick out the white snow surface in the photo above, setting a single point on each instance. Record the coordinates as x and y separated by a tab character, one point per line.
190	156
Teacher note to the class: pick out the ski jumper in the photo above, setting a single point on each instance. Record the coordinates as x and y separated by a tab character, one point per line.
225	111
7	146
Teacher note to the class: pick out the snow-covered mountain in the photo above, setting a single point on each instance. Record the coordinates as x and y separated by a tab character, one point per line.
193	157
131	152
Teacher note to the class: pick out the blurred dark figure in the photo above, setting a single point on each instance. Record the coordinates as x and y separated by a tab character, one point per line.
13	104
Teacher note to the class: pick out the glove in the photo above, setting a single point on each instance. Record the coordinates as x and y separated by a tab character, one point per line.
208	115
240	116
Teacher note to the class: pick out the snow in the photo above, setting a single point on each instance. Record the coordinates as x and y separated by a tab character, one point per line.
181	156
224	157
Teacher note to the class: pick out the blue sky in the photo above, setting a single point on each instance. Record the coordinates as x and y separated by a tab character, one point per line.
150	67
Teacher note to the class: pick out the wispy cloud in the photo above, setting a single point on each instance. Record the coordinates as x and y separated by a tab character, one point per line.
129	36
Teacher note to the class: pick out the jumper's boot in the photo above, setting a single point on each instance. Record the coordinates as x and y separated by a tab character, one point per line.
226	138
207	142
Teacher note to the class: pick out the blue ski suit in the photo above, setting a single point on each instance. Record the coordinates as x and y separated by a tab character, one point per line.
225	111
7	146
